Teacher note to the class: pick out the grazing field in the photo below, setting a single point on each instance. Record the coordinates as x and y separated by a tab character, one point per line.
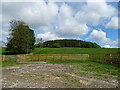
90	51
61	71
59	54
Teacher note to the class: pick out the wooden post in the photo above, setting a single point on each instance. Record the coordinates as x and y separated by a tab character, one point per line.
53	58
2	57
32	58
46	58
39	58
88	58
61	57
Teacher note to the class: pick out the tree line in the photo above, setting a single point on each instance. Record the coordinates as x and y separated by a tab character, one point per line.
67	43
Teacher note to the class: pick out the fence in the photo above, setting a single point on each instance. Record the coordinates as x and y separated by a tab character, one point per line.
113	58
104	58
45	57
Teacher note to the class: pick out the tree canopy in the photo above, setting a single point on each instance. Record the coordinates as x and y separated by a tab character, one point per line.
70	43
21	38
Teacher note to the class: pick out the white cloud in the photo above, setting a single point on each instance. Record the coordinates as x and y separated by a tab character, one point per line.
113	23
2	44
115	43
107	46
35	14
92	12
45	28
48	36
68	23
68	26
5	33
41	14
99	36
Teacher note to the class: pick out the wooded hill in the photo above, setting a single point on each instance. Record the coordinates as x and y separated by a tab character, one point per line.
68	43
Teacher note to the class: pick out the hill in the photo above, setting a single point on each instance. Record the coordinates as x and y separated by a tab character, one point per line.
68	43
74	50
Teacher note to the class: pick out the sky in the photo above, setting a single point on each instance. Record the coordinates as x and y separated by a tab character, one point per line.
88	21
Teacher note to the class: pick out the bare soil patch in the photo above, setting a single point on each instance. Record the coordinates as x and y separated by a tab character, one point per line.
50	76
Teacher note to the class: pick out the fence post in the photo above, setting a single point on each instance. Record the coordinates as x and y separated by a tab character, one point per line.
39	58
32	58
88	57
2	57
53	58
61	57
46	58
109	58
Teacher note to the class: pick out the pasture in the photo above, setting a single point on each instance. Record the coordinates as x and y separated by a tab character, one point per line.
64	68
90	51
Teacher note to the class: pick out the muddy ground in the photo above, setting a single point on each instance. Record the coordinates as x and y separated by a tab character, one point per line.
50	76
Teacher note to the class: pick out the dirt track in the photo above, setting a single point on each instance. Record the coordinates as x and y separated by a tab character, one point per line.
50	75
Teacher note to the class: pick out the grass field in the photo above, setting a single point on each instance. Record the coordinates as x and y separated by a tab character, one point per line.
9	63
81	72
101	69
90	51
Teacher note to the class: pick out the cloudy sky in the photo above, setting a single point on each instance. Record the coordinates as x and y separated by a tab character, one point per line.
89	21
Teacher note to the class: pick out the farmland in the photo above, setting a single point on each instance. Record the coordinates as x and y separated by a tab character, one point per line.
65	72
90	51
70	50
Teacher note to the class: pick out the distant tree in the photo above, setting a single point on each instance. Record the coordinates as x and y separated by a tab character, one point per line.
56	45
2	44
39	42
21	38
70	43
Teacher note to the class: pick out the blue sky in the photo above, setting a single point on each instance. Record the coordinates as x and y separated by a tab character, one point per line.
89	21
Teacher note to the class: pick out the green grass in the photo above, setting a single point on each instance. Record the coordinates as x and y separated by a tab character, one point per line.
87	66
67	62
9	63
70	50
100	68
74	50
2	49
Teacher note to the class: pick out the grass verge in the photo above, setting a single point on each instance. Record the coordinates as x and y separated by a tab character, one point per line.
8	63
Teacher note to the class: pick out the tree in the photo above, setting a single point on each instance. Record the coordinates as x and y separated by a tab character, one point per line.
39	42
21	38
70	43
56	45
2	44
